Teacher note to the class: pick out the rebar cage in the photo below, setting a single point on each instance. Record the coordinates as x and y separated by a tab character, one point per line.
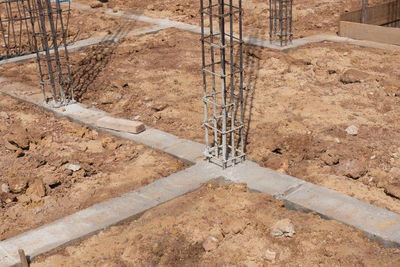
50	19
40	26
222	58
281	21
15	29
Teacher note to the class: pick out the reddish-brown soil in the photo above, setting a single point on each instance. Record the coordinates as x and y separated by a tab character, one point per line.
298	105
83	24
173	233
309	16
37	184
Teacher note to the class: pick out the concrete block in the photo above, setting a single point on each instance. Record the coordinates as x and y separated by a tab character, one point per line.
377	223
121	125
187	151
262	179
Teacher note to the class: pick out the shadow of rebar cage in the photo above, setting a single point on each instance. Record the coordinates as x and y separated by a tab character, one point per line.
222	59
40	27
281	21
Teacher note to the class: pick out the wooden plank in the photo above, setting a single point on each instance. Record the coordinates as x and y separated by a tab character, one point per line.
369	32
376	15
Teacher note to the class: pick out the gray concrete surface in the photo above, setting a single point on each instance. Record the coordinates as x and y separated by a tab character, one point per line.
100	216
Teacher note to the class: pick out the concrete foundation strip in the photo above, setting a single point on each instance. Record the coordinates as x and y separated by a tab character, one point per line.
82	44
377	223
161	24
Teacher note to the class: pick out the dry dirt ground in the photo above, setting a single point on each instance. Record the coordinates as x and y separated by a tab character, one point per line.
50	167
239	227
309	16
298	105
82	25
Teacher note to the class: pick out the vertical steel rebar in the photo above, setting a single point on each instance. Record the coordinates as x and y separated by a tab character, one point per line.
224	98
281	21
364	11
203	68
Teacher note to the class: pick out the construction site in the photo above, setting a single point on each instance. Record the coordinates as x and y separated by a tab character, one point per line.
199	133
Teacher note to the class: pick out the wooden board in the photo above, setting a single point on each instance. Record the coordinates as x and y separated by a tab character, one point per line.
369	32
376	15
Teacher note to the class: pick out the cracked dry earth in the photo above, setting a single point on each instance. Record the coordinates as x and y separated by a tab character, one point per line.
50	167
225	225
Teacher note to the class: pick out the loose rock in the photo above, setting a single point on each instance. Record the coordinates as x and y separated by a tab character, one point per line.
4	115
5	188
270	255
211	243
283	228
72	167
352	130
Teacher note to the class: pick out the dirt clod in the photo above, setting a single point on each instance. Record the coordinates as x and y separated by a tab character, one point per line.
17	184
353	76
234	226
36	191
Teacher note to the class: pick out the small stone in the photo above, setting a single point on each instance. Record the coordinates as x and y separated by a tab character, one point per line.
5	188
310	10
270	255
72	167
283	228
211	243
137	118
4	115
352	130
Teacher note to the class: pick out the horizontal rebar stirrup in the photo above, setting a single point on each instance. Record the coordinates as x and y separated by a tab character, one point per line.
281	21
222	59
